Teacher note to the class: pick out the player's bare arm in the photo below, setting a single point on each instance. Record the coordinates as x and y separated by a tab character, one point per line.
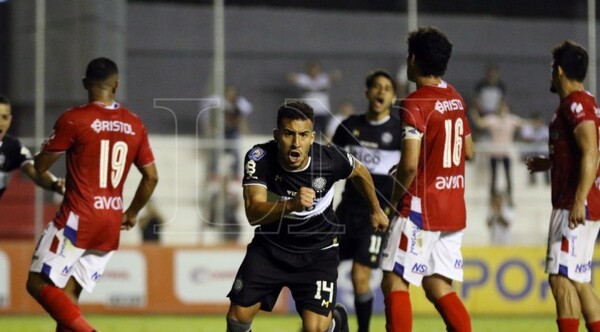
39	174
587	141
142	195
406	171
363	181
469	149
260	211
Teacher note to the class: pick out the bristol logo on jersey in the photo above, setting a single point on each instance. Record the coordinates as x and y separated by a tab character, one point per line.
112	126
319	184
257	154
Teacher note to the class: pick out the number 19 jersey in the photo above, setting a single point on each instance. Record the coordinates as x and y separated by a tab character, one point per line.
100	143
435	199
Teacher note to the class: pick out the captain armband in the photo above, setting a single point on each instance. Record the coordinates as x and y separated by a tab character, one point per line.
410	132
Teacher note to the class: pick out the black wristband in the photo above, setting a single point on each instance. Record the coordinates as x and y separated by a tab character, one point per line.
54	186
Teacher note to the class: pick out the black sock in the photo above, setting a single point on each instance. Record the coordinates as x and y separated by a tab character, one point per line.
363	312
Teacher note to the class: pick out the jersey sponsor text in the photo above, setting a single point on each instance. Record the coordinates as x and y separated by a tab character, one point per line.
108	203
113	126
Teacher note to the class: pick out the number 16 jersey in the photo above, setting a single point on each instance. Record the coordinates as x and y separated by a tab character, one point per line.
436	198
101	143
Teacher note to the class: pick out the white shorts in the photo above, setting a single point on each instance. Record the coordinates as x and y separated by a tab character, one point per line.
413	253
57	258
570	251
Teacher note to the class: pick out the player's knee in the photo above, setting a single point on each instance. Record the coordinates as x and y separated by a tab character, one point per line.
235	326
316	326
34	284
561	286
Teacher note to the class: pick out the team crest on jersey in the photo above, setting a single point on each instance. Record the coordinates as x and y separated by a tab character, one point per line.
356	132
319	184
386	138
256	154
576	108
238	284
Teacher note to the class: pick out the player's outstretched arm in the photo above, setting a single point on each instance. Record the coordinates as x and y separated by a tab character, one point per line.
142	195
260	211
39	174
363	182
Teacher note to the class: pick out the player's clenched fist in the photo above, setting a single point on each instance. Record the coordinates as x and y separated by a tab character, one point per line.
303	200
379	220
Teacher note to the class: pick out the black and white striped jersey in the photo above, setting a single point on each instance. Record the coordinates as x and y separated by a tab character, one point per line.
315	228
12	156
375	144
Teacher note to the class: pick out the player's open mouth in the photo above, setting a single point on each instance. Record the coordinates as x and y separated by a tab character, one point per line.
294	156
379	102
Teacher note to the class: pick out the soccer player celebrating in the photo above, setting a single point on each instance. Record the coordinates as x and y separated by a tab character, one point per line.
425	238
101	140
575	178
13	155
374	139
288	193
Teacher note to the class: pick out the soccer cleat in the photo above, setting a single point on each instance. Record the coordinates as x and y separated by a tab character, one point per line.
340	314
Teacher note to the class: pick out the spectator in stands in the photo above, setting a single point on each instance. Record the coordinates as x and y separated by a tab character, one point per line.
151	223
13	156
230	226
237	108
501	127
535	134
490	92
315	85
500	217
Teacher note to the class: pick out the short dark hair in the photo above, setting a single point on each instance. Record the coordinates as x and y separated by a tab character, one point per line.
372	76
295	110
432	50
572	58
4	100
99	69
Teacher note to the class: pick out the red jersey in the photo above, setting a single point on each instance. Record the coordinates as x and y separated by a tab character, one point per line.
435	200
565	155
101	144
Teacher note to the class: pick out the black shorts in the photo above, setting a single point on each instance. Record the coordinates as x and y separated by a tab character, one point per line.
266	269
359	242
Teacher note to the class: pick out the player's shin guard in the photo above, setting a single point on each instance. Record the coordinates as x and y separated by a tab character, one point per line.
593	326
568	324
62	309
398	312
363	303
235	326
454	313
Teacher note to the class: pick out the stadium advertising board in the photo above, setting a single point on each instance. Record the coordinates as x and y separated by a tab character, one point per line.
123	283
4	280
501	280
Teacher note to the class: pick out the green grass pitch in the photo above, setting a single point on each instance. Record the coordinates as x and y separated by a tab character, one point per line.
265	322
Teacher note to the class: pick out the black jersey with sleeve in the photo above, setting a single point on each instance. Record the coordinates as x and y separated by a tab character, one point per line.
12	156
315	228
375	144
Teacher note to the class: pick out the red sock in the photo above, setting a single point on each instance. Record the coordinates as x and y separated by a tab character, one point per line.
62	309
593	326
454	313
568	324
398	312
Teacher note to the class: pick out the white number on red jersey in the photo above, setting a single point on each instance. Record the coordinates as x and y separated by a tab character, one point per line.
453	150
117	162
